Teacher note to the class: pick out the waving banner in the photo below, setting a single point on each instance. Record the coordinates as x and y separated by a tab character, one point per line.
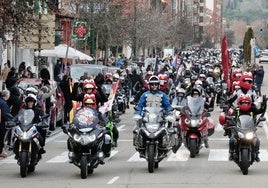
107	106
225	61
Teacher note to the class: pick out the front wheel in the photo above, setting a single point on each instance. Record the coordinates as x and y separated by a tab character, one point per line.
244	165
83	167
151	162
192	147
24	164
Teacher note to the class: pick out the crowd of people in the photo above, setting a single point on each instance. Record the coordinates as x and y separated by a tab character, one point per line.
168	79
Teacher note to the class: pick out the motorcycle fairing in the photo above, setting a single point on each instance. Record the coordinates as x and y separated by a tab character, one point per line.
86	118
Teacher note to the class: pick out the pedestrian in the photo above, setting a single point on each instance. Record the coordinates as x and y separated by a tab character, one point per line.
66	87
57	71
4	108
258	78
22	68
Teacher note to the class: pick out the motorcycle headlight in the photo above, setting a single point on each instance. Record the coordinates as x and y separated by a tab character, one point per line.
249	135
241	135
152	127
195	122
25	135
84	139
187	121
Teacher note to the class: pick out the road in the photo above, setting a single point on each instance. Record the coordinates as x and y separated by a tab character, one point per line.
124	169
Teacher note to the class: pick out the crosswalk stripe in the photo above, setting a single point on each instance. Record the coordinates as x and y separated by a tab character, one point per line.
136	158
62	158
182	155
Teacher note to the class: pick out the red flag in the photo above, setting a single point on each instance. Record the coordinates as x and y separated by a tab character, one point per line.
225	61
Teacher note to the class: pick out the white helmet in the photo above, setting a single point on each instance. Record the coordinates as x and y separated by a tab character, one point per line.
31	90
30	97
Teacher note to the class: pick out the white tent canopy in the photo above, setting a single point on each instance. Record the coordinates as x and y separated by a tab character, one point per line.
60	51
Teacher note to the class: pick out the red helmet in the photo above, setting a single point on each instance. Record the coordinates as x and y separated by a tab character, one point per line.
89	99
244	102
236	85
89	85
222	118
236	74
163	78
246	80
108	77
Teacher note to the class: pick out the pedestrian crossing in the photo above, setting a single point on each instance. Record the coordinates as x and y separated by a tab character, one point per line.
182	155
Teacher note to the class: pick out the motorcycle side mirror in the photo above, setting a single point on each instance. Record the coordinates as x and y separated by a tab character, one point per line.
10	124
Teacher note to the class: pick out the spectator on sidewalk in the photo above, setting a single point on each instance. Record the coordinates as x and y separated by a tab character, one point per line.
4	108
258	78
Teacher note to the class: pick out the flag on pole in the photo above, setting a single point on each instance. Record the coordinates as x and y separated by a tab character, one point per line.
156	69
225	61
107	106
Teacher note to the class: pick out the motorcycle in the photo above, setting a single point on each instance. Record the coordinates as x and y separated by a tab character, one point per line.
27	140
245	137
151	138
195	125
88	143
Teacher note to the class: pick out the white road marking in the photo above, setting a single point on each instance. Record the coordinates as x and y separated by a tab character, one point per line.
218	155
113	180
180	155
121	128
136	158
62	158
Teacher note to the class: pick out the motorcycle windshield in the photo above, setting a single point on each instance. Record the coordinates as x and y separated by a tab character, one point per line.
25	118
107	88
245	122
86	119
153	115
210	80
195	106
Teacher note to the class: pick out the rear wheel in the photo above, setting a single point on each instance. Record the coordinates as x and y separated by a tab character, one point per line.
24	164
151	162
84	167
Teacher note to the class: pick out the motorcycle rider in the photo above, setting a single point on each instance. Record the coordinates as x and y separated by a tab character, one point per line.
246	107
153	98
89	101
30	102
246	87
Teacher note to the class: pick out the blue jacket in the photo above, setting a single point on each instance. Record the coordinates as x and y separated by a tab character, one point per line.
4	111
165	104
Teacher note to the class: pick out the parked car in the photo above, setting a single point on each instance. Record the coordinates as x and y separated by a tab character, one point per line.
263	57
57	109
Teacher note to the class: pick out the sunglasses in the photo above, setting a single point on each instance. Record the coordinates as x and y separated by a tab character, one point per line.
154	84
